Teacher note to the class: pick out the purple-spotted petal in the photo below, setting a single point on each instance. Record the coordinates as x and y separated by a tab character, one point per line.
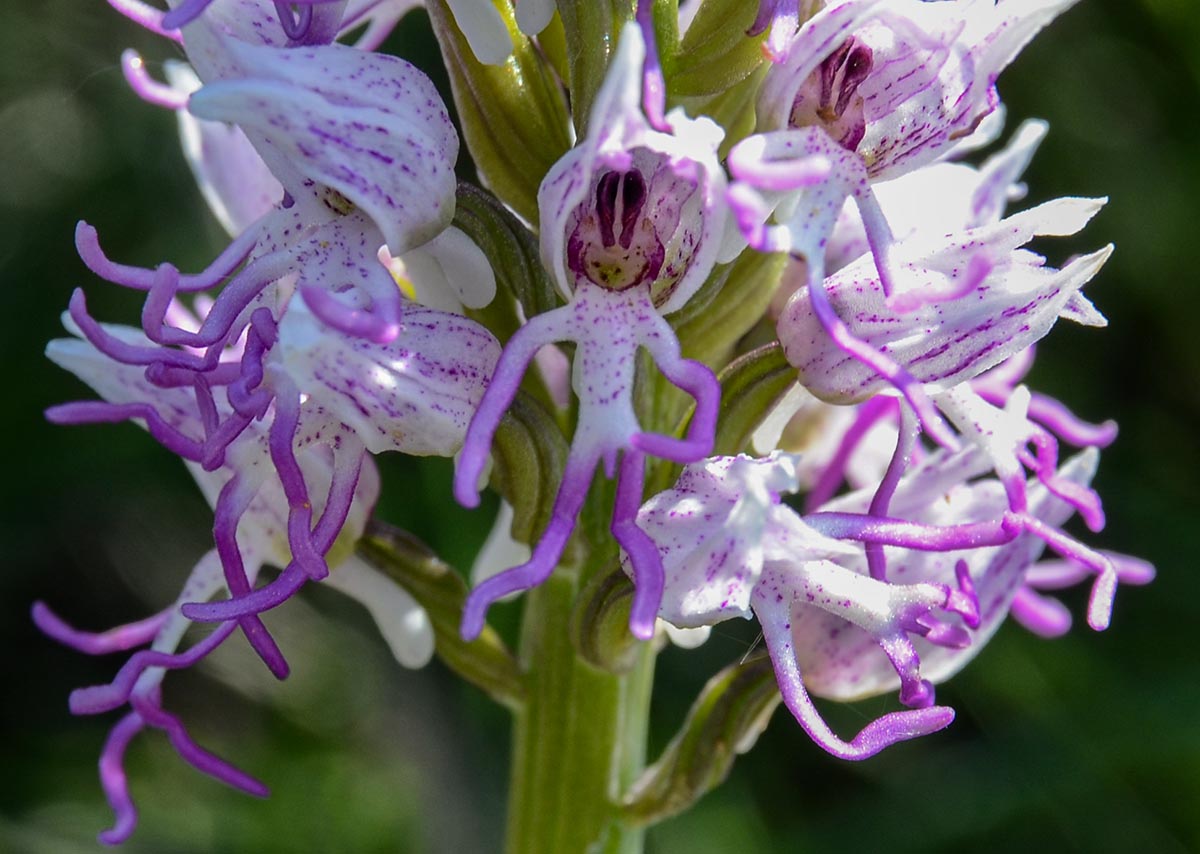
416	394
1014	300
370	127
232	177
714	529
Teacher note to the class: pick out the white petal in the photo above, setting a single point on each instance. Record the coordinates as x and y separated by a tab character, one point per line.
402	622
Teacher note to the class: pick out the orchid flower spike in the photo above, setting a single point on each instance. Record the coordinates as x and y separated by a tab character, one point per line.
630	224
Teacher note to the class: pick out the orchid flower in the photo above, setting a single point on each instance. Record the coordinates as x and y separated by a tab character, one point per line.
255	524
630	224
869	90
731	548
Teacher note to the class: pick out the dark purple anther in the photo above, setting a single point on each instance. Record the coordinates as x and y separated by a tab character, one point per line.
629	189
607	191
633	199
841	74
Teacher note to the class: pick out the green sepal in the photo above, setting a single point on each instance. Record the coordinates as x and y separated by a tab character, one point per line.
528	457
725	720
716	53
484	662
750	388
600	623
591	29
512	251
513	115
728	305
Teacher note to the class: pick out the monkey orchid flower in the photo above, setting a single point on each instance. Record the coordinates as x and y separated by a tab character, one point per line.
631	219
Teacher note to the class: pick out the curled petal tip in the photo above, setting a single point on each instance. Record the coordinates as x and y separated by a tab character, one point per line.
643	630
472	621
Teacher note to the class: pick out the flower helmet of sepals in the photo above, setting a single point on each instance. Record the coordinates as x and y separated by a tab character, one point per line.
630	224
303	109
270	487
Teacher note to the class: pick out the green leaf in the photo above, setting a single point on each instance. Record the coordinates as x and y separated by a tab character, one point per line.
484	662
528	456
600	623
513	115
750	388
733	300
716	53
512	250
725	720
591	28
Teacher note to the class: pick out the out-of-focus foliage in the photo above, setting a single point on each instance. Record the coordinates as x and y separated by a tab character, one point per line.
1089	743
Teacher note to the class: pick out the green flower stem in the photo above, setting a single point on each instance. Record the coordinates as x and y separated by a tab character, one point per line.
580	737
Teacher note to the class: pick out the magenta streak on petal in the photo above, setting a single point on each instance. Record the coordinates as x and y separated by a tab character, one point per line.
644	557
114	781
104	698
518	352
904	382
199	758
116	639
906	440
147	17
1005	376
231	505
206	404
146	87
347	466
964	601
654	87
775	618
281	442
577	477
869	414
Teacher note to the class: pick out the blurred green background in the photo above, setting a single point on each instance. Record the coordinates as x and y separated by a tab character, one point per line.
1089	743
